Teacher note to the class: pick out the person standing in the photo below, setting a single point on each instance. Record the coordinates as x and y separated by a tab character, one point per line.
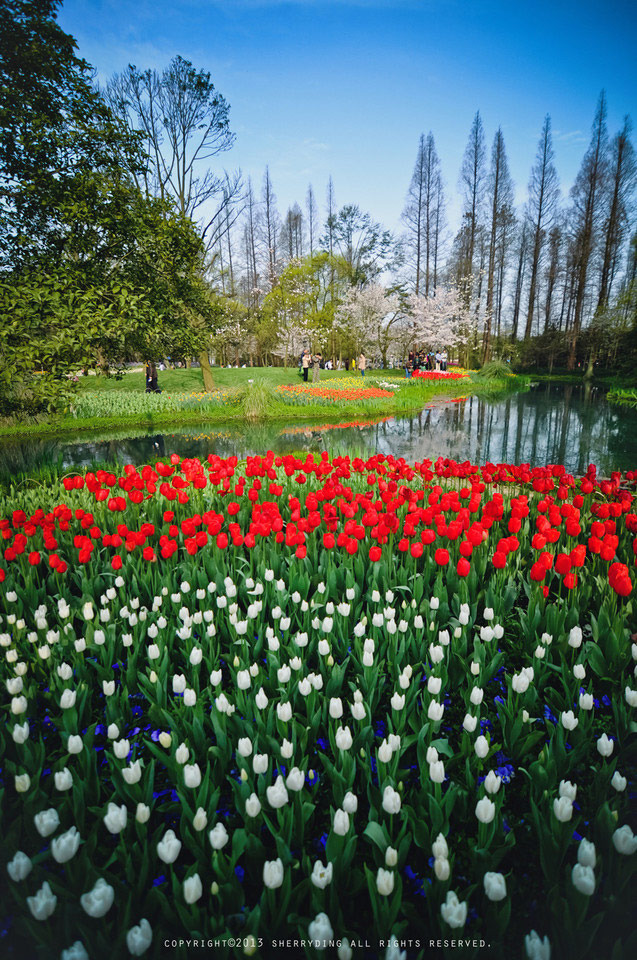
152	384
305	364
362	363
316	367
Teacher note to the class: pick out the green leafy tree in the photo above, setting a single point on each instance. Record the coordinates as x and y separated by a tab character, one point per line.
94	272
303	304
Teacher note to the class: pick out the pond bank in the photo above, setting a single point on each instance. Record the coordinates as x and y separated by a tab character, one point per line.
408	399
547	423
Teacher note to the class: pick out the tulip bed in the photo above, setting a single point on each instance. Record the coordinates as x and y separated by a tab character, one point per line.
325	701
440	375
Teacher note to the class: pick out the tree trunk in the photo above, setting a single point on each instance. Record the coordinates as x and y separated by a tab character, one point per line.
206	371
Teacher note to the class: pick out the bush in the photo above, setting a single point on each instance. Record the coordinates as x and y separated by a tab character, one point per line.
495	370
257	399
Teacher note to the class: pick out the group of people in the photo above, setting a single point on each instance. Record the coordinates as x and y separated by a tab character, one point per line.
316	362
421	360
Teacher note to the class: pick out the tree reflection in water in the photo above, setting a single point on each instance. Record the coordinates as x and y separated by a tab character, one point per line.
550	423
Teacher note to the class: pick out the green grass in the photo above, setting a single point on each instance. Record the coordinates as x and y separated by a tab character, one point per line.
623	397
239	400
185	381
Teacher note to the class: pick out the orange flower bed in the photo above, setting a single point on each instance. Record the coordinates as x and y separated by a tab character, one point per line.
353	393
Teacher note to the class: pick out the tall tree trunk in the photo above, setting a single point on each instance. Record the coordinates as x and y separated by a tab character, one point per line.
206	371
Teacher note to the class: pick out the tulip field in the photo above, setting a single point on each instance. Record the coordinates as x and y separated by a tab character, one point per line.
319	707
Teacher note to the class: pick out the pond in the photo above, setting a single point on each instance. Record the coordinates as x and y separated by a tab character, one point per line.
563	423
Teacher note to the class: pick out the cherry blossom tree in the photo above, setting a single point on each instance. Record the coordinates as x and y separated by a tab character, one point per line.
443	321
371	316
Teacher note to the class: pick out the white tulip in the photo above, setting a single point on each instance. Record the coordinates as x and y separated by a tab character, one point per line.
495	886
624	841
43	903
47	822
132	773
563	809
435	710
336	708
492	782
341	822
192	775
586	854
605	746
343	738
569	720
568	789
350	802
98	901
277	794
115	818
321	876
469	723
481	747
218	836
193	889
139	938
63	779
260	762
273	873
385	882
439	848
485	810
618	782
583	879
20	867
391	800
295	780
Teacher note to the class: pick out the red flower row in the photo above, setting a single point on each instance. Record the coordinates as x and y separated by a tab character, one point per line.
399	504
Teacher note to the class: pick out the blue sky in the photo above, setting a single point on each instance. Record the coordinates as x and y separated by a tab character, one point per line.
346	87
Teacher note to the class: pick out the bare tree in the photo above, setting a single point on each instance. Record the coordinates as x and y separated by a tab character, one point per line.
505	237
440	222
587	195
500	187
472	184
331	213
269	228
540	209
251	280
292	234
622	181
553	271
422	212
185	124
312	217
519	279
365	246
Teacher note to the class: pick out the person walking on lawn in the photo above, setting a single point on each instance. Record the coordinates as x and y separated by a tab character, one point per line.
362	363
305	363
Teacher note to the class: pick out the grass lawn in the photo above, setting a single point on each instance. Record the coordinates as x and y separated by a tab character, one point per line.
186	381
107	402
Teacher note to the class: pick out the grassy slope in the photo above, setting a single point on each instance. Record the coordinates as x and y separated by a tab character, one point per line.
409	399
187	381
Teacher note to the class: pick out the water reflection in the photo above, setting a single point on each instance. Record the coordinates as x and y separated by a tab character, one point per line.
550	423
